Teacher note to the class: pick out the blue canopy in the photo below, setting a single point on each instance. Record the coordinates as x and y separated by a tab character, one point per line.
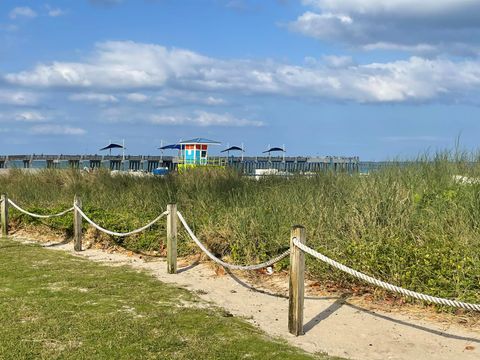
200	141
232	148
112	146
274	149
171	146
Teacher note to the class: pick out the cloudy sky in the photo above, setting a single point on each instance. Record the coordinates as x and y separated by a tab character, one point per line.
374	78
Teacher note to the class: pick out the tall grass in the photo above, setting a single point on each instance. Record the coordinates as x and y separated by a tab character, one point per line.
410	224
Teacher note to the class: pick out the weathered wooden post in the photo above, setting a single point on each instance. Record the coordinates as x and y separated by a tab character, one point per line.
172	239
296	282
77	225
4	215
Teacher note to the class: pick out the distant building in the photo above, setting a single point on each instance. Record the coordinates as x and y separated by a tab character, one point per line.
195	151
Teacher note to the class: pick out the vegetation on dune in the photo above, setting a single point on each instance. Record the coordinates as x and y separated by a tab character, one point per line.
56	306
409	224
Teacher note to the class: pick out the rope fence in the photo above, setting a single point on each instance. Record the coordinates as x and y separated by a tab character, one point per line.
297	251
383	284
223	263
119	234
39	215
297	270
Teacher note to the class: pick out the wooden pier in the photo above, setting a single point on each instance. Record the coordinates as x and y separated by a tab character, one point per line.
296	164
147	163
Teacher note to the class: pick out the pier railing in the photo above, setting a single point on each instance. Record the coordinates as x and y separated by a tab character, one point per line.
246	164
297	250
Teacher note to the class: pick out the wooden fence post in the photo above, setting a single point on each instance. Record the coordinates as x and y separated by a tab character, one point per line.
296	283
77	225
172	239
4	215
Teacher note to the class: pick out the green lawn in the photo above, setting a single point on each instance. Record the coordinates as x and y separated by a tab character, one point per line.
56	306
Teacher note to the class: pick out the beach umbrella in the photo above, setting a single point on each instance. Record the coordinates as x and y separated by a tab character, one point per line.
112	146
171	146
233	148
168	147
274	149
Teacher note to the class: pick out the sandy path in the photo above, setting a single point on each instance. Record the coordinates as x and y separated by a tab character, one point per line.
333	325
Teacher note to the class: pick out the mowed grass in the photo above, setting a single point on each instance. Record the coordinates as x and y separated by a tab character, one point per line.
56	306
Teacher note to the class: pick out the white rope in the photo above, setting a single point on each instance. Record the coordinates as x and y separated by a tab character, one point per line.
223	263
114	233
371	280
38	215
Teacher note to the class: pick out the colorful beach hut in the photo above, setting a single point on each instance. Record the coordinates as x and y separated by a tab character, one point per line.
195	151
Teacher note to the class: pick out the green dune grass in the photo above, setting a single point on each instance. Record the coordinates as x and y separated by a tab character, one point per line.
409	224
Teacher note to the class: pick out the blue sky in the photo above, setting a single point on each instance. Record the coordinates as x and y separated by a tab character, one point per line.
371	78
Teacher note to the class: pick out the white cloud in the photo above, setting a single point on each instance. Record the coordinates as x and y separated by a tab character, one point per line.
94	97
129	66
22	11
14	97
175	98
137	97
417	48
202	118
164	98
401	7
323	25
338	61
172	97
117	64
30	116
211	100
427	27
55	12
49	129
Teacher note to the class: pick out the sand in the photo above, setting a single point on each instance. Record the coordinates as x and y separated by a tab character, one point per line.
333	325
